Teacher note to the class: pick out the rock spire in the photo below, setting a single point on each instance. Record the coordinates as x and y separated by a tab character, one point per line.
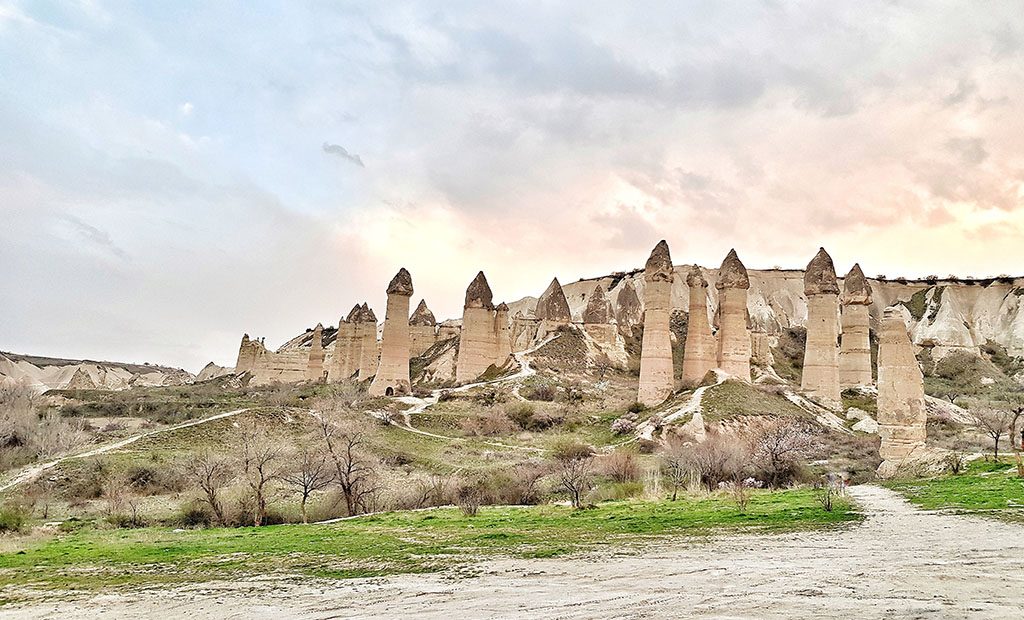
734	346
700	351
552	305
855	346
657	373
821	355
901	412
478	344
392	377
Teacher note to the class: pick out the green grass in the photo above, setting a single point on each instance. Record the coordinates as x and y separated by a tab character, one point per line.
989	487
400	542
736	398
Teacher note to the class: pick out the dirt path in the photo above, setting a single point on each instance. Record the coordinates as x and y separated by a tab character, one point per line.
31	472
901	563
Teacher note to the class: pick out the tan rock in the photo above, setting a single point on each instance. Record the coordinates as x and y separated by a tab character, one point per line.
392	376
599	309
347	347
478	346
821	356
629	310
502	334
247	353
734	346
700	350
902	416
315	365
422	329
657	373
552	305
855	347
366	332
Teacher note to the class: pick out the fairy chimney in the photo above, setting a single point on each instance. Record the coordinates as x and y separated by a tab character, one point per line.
315	365
598	319
502	334
345	361
733	333
699	352
366	332
628	309
422	329
552	305
855	347
821	355
477	341
247	352
901	411
657	374
392	376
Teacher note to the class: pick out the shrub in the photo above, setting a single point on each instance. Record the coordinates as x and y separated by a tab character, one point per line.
491	424
526	417
620	466
194	514
12	518
544	392
468	497
637	407
623	426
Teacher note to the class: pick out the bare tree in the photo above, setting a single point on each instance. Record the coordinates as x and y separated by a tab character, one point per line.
675	466
211	472
310	473
575	463
354	470
992	422
777	448
262	462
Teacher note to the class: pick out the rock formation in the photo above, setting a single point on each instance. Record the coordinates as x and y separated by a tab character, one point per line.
552	305
392	376
699	353
477	342
733	331
247	353
422	329
345	361
502	335
855	348
821	356
628	308
366	332
657	374
315	365
598	310
901	410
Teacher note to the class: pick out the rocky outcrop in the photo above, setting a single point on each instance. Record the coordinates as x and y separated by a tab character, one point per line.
315	363
247	352
700	350
366	332
502	335
855	346
628	309
347	348
733	331
598	323
552	304
422	329
599	309
392	377
902	415
657	373
477	340
821	356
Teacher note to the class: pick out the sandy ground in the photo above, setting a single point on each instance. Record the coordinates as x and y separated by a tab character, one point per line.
901	563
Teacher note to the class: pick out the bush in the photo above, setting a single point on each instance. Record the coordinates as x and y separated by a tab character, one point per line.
12	518
545	392
491	424
620	466
637	407
623	426
468	497
194	514
526	417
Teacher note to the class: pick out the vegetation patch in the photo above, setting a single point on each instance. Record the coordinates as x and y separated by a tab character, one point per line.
736	398
987	487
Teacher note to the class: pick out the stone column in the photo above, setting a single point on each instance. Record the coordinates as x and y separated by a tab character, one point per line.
902	416
366	331
821	355
392	376
855	348
246	355
502	334
477	343
315	366
657	374
346	355
700	351
733	331
422	329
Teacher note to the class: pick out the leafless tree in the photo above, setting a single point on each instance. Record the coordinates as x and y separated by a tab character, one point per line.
309	474
354	470
719	458
211	472
261	461
675	466
575	463
992	422
777	447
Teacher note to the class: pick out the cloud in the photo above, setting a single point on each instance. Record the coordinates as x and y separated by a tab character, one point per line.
340	151
95	236
186	108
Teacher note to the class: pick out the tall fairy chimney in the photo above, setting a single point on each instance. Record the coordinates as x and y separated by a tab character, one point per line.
733	332
855	346
392	376
657	373
821	355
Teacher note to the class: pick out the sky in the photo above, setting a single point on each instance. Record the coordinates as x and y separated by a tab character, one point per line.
173	174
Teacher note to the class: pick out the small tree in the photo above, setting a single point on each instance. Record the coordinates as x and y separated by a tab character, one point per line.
309	473
262	461
575	462
354	471
779	447
675	466
211	472
992	422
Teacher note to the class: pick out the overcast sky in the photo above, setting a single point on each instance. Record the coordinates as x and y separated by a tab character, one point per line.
174	174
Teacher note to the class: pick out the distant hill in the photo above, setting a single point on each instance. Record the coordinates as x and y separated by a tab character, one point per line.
49	373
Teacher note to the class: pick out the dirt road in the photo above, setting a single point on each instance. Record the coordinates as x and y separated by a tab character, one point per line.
900	563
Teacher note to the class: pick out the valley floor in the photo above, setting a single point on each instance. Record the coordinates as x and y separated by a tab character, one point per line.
900	562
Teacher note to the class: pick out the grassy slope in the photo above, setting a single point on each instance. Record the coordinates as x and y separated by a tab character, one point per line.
985	486
735	398
400	542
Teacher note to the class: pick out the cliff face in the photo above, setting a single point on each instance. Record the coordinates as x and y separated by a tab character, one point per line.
945	314
45	373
